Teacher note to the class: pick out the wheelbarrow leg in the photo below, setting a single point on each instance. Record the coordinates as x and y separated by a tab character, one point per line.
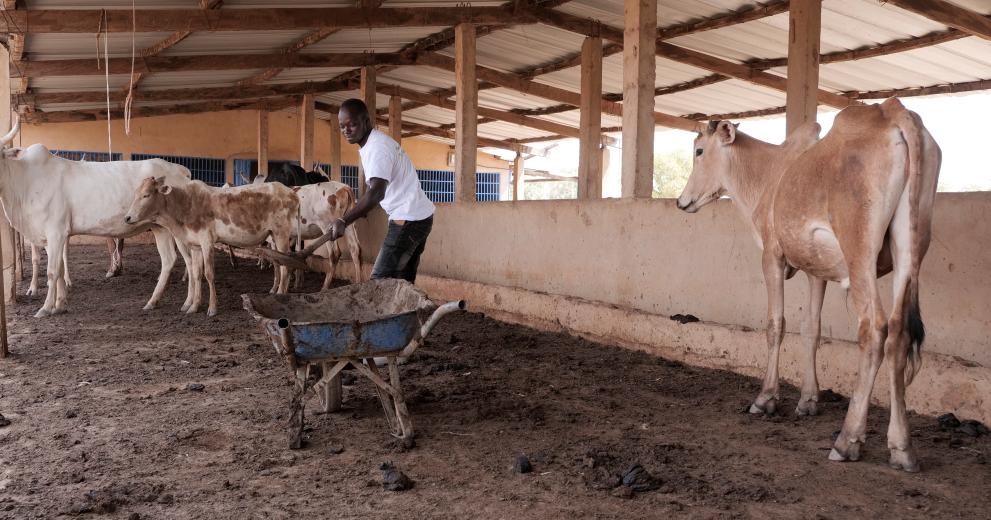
333	391
381	387
402	413
296	405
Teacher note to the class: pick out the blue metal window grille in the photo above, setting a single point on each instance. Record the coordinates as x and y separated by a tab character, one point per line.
349	176
76	155
487	186
206	169
437	184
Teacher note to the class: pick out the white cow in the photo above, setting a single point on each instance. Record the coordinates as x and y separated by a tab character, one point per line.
48	199
320	205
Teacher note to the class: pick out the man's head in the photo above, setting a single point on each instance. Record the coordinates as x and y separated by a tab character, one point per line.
355	121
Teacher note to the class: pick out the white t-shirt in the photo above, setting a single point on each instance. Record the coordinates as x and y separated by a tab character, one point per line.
382	157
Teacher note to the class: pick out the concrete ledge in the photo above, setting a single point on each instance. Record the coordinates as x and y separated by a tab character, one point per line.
945	384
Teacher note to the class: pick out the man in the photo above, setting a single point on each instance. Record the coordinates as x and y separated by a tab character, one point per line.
393	184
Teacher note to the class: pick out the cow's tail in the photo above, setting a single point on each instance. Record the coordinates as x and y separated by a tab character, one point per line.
912	131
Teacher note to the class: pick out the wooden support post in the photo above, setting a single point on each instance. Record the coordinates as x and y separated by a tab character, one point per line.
466	113
7	282
590	122
335	149
518	191
262	142
396	118
639	42
368	96
229	171
803	62
306	116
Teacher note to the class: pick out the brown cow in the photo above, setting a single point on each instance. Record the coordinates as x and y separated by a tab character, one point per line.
320	205
849	208
200	216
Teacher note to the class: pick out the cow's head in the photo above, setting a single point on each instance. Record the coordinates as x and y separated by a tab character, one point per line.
712	163
148	200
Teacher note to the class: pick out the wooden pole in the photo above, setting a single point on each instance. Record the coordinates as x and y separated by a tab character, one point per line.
7	282
368	96
639	42
518	188
335	149
804	29
262	142
306	117
396	118
590	122
466	113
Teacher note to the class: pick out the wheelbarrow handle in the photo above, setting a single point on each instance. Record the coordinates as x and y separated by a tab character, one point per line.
441	311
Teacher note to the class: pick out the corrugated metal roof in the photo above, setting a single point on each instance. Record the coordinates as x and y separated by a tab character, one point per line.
847	25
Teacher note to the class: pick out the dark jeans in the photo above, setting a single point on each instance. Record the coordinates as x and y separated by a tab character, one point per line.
400	253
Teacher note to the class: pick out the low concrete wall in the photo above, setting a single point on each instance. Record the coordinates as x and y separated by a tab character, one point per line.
614	269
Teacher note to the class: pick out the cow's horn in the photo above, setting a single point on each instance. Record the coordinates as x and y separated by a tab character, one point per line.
13	132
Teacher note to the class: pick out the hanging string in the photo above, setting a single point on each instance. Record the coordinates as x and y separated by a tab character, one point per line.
106	75
130	87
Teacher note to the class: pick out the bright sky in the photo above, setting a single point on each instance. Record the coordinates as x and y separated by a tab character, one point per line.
957	122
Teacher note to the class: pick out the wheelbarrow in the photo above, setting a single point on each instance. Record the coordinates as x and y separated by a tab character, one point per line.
362	324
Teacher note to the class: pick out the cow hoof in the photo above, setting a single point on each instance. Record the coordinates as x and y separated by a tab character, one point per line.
807	408
765	406
851	453
42	313
149	306
191	310
903	460
184	308
31	292
211	312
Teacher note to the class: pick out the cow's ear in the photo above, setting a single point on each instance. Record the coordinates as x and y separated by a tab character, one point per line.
165	189
160	180
726	132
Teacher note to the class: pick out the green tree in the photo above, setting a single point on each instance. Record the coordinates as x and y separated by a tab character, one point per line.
551	190
671	171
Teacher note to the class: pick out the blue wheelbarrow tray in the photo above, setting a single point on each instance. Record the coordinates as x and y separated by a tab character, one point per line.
361	325
374	318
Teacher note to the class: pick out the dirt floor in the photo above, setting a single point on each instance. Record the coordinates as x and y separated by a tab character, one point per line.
104	423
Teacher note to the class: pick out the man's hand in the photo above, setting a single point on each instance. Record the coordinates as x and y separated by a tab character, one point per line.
336	231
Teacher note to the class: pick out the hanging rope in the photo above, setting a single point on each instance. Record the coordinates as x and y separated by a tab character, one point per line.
130	86
106	75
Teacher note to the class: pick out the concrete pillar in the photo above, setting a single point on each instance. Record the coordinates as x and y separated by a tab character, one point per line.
262	142
804	27
639	37
590	122
306	118
466	118
335	149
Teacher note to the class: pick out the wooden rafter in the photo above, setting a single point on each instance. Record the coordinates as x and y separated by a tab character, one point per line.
192	94
682	55
150	64
949	14
742	15
191	108
256	19
950	88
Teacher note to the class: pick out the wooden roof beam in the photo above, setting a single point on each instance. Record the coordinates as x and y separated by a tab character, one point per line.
151	64
67	116
256	19
519	84
949	14
687	56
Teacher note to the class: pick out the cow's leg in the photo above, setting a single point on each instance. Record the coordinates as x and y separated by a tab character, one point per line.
166	253
282	272
65	265
899	342
808	402
355	247
774	278
115	247
195	280
333	254
187	258
54	275
871	332
208	255
35	267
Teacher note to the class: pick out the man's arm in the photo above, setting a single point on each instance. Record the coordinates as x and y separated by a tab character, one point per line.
372	197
